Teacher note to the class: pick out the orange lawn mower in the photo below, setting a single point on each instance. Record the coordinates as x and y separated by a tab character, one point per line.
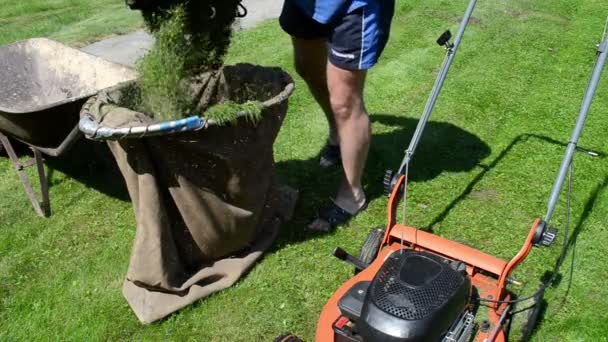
412	285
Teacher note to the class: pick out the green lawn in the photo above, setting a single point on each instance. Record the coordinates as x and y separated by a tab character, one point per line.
76	22
479	177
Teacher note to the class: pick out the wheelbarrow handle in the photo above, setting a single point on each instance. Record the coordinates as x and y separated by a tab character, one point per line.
94	131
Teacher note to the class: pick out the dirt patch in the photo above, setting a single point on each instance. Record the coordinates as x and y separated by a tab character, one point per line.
473	20
513	13
423	206
561	20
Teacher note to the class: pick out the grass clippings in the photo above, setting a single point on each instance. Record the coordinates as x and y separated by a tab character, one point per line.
228	112
164	68
191	40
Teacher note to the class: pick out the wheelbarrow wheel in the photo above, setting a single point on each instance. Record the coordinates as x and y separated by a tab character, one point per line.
532	317
369	249
288	338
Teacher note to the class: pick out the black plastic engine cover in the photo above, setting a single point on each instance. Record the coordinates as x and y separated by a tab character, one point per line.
415	296
351	303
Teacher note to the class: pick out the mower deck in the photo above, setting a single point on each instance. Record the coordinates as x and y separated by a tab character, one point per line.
488	274
485	284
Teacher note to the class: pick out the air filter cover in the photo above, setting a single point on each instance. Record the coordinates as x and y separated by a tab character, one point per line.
415	296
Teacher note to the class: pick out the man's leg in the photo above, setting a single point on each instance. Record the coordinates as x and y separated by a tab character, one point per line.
310	59
309	40
354	131
356	42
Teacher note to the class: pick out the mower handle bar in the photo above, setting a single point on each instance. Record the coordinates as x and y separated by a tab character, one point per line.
602	55
428	109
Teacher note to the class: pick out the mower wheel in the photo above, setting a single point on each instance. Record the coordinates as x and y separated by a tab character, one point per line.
369	249
532	317
288	338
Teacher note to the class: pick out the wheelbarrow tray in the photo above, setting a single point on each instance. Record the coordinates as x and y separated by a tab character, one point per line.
43	85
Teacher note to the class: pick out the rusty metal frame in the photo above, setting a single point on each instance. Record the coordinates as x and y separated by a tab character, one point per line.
43	207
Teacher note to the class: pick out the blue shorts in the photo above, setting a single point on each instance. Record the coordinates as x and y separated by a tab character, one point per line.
355	39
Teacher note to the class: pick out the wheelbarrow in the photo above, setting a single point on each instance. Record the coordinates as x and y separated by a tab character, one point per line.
43	85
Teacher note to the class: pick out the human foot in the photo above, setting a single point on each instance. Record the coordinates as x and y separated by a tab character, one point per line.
330	155
333	214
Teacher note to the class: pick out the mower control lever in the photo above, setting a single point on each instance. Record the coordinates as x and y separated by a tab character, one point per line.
549	237
588	152
545	236
344	256
444	39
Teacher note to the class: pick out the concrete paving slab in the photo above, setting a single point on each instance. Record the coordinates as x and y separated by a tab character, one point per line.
259	11
127	49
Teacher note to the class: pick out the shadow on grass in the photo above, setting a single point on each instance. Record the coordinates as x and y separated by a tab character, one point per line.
587	210
87	162
527	323
487	168
443	147
571	247
571	242
91	164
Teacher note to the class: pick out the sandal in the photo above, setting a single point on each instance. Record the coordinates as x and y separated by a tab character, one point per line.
331	215
330	156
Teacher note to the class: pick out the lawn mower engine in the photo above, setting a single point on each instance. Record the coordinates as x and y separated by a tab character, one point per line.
415	296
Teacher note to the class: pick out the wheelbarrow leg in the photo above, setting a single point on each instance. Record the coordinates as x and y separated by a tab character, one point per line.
44	209
44	185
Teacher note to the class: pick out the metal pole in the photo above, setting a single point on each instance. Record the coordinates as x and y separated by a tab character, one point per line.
582	116
428	109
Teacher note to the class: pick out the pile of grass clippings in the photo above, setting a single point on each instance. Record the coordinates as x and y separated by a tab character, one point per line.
163	69
191	39
227	112
208	23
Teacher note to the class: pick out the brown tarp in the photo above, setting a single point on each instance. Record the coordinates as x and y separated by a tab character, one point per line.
207	203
